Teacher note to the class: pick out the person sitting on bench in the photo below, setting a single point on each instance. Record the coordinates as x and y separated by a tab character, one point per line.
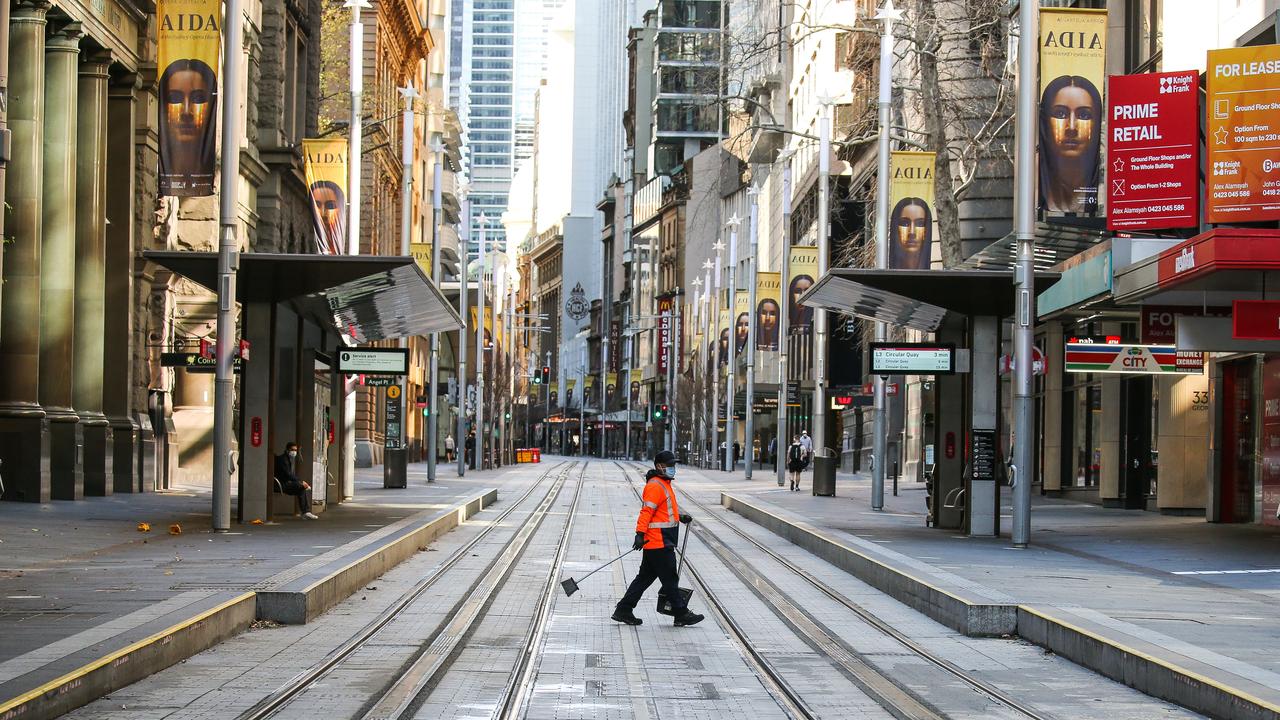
287	475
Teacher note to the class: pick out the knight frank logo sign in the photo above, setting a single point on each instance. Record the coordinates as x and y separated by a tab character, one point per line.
1151	158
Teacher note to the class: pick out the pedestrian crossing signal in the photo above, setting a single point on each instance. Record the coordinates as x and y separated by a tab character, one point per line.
660	412
546	374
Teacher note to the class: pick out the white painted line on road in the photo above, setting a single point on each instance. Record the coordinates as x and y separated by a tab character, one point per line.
322	547
1227	572
24	597
303	555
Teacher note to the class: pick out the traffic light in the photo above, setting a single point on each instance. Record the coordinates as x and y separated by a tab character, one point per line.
537	378
660	412
506	415
546	374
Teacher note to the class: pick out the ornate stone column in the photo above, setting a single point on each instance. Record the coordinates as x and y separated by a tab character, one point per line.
121	302
24	441
57	262
90	276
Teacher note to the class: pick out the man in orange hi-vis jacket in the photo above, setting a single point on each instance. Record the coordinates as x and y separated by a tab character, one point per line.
657	533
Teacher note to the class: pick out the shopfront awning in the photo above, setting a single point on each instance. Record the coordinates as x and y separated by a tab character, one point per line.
1209	270
917	299
360	297
1055	243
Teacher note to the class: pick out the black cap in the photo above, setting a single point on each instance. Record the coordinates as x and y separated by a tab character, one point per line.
665	457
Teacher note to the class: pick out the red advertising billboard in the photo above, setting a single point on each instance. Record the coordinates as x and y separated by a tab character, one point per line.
1151	151
665	335
1242	134
1255	320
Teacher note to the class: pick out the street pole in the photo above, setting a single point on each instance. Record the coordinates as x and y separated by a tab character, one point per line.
395	454
731	381
433	379
355	156
460	438
748	444
480	356
820	315
228	264
715	363
880	425
546	422
1024	275
784	315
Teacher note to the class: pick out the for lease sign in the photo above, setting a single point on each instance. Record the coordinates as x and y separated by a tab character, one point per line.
1152	159
1243	134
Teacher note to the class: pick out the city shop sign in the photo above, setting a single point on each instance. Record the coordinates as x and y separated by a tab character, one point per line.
1131	359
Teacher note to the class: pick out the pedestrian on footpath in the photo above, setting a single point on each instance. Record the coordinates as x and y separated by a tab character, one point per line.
448	448
287	475
469	446
795	461
807	443
658	534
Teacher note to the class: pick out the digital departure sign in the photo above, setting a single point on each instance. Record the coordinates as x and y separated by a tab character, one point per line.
912	359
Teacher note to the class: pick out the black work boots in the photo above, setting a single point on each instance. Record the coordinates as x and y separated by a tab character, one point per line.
688	618
624	615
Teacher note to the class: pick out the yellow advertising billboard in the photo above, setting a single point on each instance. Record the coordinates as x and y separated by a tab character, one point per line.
1240	180
326	171
803	273
911	195
189	35
1072	75
768	309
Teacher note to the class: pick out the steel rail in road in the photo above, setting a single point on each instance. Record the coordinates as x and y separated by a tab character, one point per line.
411	689
298	684
774	681
736	563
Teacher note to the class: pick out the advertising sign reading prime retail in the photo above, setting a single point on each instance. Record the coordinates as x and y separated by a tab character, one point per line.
374	361
1243	134
912	359
1151	157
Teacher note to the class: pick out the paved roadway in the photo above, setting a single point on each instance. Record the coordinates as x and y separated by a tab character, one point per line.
490	634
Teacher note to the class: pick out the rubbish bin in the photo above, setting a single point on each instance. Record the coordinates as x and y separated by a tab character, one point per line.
824	472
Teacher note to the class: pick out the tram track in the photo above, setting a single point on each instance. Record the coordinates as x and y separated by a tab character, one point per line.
296	686
885	690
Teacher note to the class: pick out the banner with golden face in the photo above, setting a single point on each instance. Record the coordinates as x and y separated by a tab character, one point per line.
741	320
488	325
722	344
636	377
768	309
326	171
190	38
1072	75
803	274
610	388
911	221
568	391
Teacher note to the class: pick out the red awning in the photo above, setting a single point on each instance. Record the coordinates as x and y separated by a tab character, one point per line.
1212	268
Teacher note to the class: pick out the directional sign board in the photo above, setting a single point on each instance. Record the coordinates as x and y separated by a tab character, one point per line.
912	359
194	362
374	361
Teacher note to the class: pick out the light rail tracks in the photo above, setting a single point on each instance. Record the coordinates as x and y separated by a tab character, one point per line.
895	698
443	645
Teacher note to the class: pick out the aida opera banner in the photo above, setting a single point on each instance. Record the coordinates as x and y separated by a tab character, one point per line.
1152	158
190	40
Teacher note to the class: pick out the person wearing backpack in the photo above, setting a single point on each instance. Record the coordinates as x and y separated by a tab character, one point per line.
796	459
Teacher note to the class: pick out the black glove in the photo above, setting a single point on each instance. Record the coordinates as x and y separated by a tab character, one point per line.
686	519
638	543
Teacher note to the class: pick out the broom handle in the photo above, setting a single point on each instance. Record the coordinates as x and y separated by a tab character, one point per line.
593	572
683	542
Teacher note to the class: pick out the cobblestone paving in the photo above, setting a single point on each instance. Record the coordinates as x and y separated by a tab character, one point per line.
590	667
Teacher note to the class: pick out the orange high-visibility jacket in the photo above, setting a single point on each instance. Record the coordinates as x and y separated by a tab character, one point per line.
660	515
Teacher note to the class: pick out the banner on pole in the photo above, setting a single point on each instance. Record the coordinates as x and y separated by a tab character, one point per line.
610	387
636	377
666	318
722	344
190	40
804	273
911	195
768	309
742	320
326	171
1152	159
1072	69
1241	134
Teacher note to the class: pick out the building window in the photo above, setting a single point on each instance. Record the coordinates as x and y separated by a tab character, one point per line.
685	116
1143	35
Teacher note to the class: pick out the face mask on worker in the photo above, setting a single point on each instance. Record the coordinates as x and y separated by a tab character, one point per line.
293	454
669	472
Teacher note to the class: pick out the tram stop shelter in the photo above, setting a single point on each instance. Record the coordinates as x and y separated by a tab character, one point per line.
296	311
964	308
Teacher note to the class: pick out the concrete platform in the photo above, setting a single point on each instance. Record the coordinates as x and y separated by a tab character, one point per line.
89	604
1178	608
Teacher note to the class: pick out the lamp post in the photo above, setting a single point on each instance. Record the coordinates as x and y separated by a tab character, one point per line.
433	378
459	444
880	425
480	356
395	453
731	378
784	315
715	348
748	443
819	314
228	264
698	428
1024	275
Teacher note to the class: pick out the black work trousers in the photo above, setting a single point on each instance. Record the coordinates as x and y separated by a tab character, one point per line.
301	495
655	565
